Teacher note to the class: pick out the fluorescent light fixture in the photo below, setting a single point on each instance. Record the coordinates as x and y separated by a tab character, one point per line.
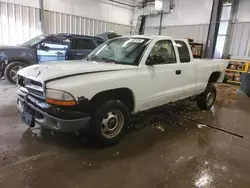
158	5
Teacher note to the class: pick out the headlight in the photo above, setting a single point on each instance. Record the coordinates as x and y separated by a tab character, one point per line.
59	98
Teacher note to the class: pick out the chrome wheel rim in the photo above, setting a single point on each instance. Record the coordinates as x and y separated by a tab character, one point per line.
112	124
210	98
13	72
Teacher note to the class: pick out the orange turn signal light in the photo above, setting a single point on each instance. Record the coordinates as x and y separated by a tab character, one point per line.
60	102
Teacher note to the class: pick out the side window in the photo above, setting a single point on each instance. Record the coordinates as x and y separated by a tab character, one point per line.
183	51
163	53
57	43
82	44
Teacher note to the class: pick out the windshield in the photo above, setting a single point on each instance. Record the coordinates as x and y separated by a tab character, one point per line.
123	50
34	41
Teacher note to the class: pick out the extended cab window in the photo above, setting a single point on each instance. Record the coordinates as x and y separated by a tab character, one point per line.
82	44
183	51
163	52
57	43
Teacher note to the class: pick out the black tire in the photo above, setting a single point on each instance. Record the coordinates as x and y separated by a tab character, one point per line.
205	102
11	66
1	74
96	123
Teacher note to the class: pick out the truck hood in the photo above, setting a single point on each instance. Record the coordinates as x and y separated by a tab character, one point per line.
55	70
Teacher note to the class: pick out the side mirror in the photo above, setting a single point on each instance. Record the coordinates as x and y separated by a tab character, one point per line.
150	61
38	46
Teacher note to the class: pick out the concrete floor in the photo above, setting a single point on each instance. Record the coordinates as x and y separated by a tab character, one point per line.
162	149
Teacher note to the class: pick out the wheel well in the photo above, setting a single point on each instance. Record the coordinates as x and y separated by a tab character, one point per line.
124	95
20	60
214	77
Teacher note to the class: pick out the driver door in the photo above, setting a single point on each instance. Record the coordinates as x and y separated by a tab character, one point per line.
54	49
162	78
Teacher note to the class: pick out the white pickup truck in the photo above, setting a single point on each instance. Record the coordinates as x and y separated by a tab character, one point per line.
123	76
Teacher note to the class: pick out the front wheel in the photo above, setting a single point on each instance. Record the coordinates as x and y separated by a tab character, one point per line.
109	122
206	100
10	72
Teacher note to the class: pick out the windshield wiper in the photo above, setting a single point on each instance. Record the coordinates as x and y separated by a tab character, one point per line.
107	60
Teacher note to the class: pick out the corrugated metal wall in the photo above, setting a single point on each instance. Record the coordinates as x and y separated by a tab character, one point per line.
18	23
63	23
240	39
197	32
238	46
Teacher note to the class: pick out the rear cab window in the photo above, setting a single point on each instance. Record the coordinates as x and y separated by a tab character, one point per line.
82	44
183	51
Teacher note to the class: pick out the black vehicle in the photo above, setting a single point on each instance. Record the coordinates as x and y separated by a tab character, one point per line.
43	48
108	35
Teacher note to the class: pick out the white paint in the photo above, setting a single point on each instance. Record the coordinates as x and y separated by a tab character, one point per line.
187	12
95	9
30	3
103	10
148	83
243	14
18	25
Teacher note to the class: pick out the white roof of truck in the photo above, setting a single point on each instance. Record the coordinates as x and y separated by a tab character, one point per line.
155	37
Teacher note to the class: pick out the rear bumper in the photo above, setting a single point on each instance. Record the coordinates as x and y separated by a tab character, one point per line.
48	121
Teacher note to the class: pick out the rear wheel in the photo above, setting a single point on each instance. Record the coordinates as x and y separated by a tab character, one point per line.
109	122
11	70
206	100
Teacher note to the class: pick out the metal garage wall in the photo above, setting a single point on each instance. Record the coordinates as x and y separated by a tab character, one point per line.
64	23
18	23
190	19
240	39
239	42
196	32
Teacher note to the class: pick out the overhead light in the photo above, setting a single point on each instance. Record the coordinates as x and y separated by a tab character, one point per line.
158	5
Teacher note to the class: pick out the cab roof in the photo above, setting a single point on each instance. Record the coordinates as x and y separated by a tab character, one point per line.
150	37
155	37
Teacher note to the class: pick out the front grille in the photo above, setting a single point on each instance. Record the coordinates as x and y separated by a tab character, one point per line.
34	88
35	92
35	83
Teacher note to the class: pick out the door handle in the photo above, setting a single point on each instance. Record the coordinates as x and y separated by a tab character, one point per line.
59	53
178	72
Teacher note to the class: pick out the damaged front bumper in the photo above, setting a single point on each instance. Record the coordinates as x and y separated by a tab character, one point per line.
51	117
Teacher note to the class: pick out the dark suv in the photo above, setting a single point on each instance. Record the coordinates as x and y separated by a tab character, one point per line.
51	47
